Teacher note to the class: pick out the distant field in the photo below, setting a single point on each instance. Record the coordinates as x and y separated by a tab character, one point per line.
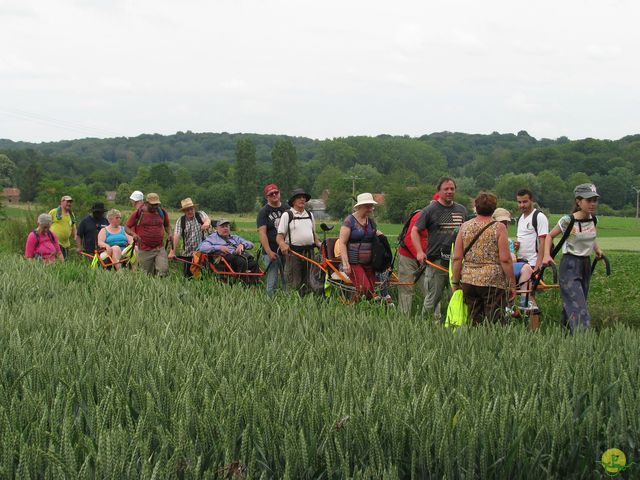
614	233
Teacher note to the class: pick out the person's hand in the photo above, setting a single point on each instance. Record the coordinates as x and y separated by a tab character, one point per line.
225	249
547	260
421	257
346	268
455	286
239	249
204	227
273	256
512	293
284	249
172	254
599	254
136	237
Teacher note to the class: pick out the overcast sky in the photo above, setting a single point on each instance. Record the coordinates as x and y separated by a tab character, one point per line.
321	69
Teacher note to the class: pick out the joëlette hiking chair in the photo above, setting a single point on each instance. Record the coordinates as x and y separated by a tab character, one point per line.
218	266
128	258
326	277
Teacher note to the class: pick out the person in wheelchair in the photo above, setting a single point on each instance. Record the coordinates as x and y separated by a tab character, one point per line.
522	270
113	239
232	248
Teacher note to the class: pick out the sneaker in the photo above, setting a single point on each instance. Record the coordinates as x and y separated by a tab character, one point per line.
389	301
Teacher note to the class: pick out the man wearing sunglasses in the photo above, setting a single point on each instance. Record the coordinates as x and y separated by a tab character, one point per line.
267	222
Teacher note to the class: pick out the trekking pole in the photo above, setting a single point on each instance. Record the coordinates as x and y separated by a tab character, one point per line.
607	265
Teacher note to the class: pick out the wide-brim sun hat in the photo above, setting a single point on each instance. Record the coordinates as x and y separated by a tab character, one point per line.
187	203
501	215
298	192
365	199
98	207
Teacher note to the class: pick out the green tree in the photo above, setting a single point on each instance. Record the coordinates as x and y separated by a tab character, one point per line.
163	175
30	180
245	175
285	168
7	171
553	193
508	185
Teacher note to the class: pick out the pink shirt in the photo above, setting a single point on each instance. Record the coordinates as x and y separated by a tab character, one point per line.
41	244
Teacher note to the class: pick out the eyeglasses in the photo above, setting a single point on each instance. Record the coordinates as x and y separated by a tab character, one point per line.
273	194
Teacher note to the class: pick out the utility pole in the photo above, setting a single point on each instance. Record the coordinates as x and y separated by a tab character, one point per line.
353	179
637	189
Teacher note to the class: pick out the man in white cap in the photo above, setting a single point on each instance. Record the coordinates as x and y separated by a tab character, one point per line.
64	224
192	228
137	199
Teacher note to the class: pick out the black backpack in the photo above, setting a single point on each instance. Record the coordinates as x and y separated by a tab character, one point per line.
381	255
405	228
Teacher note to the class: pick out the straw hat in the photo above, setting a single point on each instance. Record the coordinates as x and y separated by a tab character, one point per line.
365	199
187	203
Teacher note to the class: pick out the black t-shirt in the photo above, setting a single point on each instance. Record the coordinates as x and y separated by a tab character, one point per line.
88	232
270	216
442	223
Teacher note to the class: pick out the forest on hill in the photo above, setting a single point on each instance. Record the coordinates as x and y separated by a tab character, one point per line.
225	172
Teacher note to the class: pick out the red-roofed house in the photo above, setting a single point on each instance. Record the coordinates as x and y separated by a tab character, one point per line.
11	195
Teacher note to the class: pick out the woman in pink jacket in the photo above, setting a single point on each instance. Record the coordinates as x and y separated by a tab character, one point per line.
42	243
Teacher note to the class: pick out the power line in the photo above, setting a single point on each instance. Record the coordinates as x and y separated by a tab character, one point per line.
56	122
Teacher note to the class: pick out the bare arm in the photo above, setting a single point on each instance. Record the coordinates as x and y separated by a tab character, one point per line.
343	239
284	248
505	260
415	239
264	241
547	245
456	270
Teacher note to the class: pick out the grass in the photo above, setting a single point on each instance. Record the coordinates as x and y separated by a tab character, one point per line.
125	376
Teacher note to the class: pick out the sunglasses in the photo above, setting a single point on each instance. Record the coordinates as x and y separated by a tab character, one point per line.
273	194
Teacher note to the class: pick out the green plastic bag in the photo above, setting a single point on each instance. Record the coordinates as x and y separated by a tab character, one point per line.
457	311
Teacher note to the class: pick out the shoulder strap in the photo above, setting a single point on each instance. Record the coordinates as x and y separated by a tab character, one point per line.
183	224
534	221
565	235
35	234
475	239
290	214
59	213
139	214
199	218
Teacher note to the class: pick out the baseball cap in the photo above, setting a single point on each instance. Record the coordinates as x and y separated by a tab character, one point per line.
137	196
585	190
66	198
272	187
222	221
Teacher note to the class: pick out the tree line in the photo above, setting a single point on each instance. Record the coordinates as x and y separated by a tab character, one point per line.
226	172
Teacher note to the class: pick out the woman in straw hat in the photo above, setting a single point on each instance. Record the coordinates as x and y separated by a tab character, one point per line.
356	236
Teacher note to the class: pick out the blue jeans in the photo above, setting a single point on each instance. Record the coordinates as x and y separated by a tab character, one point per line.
274	271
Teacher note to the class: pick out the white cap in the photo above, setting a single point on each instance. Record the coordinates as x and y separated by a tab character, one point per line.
137	196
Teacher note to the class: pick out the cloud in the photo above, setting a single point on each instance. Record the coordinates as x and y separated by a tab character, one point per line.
519	102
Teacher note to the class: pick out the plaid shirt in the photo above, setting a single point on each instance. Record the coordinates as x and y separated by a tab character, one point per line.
193	233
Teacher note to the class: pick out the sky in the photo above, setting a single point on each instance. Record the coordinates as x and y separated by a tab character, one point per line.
321	69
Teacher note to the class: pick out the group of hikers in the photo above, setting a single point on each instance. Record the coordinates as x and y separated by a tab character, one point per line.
489	268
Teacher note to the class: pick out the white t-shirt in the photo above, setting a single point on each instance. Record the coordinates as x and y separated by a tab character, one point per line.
302	228
528	238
